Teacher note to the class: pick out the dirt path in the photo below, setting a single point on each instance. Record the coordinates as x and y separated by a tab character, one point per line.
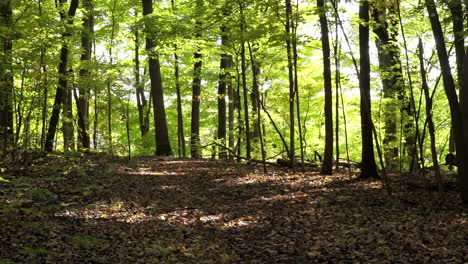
201	211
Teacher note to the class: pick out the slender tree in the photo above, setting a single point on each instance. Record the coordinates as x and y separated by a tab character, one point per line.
6	78
142	103
327	166
196	87
368	164
244	81
224	82
62	71
67	119
180	116
163	146
288	26
430	122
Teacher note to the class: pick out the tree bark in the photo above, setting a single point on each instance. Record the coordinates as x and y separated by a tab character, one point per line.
142	103
244	83
368	164
67	120
62	71
327	165
87	35
6	80
196	90
163	146
224	80
292	147
391	76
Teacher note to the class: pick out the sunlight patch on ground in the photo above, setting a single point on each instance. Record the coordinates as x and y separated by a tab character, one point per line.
240	222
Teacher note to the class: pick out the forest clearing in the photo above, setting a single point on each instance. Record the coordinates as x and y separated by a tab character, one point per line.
98	209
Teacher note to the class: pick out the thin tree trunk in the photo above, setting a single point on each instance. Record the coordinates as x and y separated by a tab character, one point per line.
62	71
337	50
430	123
327	166
127	126
292	155
142	103
6	79
109	82
368	164
464	107
244	83
295	23
180	117
163	146
410	109
196	89
67	120
224	80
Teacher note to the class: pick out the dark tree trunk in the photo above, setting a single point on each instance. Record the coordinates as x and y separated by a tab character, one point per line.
180	116
6	80
456	9
327	166
82	103
451	93
163	146
224	80
244	83
464	107
62	71
292	147
143	119
368	165
196	90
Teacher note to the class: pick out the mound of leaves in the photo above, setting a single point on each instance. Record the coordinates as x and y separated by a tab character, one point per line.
91	208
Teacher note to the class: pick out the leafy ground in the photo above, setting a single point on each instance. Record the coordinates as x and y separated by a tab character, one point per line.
89	208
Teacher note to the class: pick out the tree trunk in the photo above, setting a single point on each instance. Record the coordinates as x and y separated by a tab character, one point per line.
224	80
292	147
464	108
196	89
62	71
456	9
451	93
368	165
163	145
430	123
142	103
327	166
391	77
244	83
67	120
180	117
82	103
6	80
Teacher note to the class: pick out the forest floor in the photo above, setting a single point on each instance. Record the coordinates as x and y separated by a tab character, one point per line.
91	208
